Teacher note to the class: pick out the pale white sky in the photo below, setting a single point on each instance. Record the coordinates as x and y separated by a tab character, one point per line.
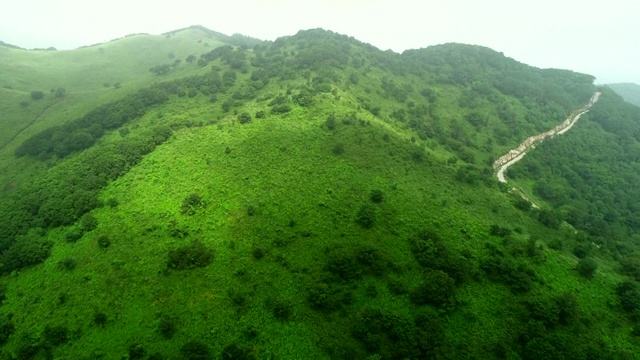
601	38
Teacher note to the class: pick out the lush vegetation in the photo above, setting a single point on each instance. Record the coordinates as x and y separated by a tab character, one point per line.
318	198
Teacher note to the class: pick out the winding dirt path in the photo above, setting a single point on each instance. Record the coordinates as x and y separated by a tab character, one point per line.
514	155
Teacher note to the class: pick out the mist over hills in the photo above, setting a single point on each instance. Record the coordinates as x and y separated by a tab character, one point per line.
630	92
194	195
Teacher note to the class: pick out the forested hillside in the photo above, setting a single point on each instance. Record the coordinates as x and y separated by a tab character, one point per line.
630	92
312	197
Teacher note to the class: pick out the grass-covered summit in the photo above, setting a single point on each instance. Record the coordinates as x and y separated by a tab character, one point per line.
312	197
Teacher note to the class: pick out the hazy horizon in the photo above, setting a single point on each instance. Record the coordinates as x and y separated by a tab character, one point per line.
598	39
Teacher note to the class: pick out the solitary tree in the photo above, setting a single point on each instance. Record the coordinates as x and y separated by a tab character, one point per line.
587	267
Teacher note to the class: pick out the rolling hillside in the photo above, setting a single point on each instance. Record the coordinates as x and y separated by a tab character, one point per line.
312	197
630	92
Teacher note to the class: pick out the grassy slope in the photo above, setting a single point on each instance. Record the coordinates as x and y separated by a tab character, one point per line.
83	73
284	167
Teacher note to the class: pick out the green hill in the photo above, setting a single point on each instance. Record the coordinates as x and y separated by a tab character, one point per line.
630	92
312	198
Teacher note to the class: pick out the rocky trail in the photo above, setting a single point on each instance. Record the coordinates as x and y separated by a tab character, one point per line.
514	155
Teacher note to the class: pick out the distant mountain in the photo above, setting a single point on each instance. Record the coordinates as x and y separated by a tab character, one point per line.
630	92
2	43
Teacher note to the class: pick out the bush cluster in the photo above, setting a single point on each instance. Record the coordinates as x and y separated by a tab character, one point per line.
190	256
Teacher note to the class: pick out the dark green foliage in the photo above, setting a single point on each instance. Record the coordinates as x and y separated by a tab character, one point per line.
88	222
6	329
280	109
100	318
437	289
376	196
373	261
235	352
167	327
580	251
191	204
343	266
82	133
195	350
338	149
260	114
55	335
568	308
136	351
429	250
393	336
499	231
258	252
251	210
73	234
68	264
366	216
103	241
28	250
37	95
549	218
3	293
281	308
112	202
587	267
330	123
328	296
304	98
244	118
190	256
629	294
160	69
517	275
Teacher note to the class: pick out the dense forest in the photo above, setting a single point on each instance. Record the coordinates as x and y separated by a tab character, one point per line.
313	197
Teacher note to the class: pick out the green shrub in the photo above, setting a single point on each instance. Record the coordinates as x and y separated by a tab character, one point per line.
88	222
191	204
167	327
376	196
136	351
281	308
55	335
580	251
103	241
437	289
68	264
244	118
587	267
100	318
235	352
37	95
195	350
629	295
366	216
6	329
338	149
27	250
190	256
330	123
74	234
